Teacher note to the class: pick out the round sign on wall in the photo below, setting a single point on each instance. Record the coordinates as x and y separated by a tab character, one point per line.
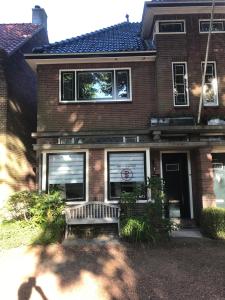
126	174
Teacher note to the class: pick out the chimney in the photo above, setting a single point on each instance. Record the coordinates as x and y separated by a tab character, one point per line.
39	16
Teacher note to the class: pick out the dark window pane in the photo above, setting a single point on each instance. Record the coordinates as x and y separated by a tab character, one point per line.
171	26
179	79
204	26
209	69
116	188
179	69
181	99
217	26
95	85
67	86
71	191
122	84
180	89
74	191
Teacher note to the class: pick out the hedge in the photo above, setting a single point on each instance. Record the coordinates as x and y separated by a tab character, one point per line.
213	222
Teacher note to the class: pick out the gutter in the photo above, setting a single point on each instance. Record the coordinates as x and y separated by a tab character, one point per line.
88	55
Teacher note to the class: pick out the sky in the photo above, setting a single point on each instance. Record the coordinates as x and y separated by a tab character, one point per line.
69	18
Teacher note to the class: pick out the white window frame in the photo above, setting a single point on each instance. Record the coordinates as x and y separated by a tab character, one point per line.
187	88
208	20
169	21
217	92
147	167
43	183
95	70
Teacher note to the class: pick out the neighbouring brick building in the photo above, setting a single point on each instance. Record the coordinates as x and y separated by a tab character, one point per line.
18	103
120	104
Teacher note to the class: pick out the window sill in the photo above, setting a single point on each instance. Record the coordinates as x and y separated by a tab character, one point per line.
95	102
211	105
117	201
170	33
181	106
70	203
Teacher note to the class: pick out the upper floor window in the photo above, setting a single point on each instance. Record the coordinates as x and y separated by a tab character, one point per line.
217	26
210	90
170	26
95	85
180	84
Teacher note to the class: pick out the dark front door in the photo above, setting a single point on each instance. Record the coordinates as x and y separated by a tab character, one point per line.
175	174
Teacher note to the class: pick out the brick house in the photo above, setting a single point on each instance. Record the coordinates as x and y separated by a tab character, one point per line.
120	104
18	103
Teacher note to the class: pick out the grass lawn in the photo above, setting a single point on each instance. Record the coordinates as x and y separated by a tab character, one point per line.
20	233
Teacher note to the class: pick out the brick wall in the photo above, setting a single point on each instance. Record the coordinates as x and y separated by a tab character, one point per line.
189	47
84	117
96	175
17	120
204	159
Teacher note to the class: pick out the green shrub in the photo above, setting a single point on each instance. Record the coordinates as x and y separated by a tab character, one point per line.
47	208
39	207
213	222
152	226
19	205
40	210
127	202
136	229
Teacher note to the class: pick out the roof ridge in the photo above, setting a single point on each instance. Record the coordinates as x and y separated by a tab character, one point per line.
62	42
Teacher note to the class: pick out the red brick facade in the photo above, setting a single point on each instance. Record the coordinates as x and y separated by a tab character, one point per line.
152	95
89	117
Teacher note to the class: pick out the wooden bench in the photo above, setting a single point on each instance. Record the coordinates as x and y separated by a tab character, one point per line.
92	213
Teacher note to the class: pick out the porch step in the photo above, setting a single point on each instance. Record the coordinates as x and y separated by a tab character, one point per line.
187	233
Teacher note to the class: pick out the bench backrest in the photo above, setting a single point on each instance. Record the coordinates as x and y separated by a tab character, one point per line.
92	210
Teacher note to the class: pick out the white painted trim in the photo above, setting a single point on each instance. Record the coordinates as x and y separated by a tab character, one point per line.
148	169
187	88
189	176
95	101
34	62
217	94
208	20
170	21
44	171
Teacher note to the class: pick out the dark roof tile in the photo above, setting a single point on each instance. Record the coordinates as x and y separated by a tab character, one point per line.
12	36
118	38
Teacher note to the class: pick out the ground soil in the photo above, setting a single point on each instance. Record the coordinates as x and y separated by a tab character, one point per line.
181	269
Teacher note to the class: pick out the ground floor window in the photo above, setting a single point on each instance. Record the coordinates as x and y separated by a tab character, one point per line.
218	163
126	171
67	172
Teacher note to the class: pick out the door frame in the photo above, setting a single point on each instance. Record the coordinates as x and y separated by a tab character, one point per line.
189	175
